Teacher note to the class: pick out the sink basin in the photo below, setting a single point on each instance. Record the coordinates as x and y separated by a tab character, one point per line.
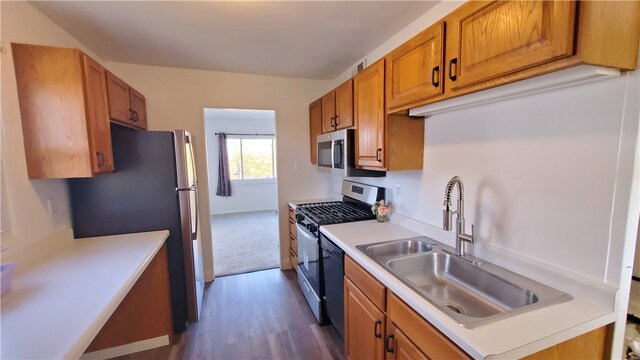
398	248
461	286
472	292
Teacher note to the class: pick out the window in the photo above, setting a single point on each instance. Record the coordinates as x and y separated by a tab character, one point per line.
251	158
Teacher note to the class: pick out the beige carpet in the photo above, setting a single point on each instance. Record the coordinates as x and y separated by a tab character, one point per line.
245	242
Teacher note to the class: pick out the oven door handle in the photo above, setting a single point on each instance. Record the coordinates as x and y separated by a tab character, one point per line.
306	231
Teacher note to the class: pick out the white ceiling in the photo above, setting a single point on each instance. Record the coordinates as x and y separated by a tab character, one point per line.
308	39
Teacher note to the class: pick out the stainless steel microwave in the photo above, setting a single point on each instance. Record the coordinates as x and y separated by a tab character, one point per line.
336	154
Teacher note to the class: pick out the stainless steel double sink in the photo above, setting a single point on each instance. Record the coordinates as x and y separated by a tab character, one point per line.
471	291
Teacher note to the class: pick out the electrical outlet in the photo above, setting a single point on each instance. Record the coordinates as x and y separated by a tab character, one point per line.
398	190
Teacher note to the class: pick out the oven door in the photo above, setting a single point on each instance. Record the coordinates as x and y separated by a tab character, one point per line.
309	257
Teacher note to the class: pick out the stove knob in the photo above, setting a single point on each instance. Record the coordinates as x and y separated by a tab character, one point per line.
299	217
312	228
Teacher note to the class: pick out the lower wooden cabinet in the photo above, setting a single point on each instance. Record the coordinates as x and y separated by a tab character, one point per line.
425	336
293	243
144	313
399	347
364	325
378	324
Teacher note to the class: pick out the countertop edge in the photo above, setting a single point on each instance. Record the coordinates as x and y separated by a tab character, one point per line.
65	285
82	344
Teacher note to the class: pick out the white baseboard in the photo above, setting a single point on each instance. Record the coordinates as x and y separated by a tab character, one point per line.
126	349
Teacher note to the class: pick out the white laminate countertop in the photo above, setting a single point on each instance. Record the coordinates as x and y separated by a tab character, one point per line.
513	337
60	300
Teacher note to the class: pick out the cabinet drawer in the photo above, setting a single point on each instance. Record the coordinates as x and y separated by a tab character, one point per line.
292	228
431	341
370	287
293	243
293	258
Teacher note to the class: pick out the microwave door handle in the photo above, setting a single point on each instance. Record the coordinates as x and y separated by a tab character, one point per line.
333	158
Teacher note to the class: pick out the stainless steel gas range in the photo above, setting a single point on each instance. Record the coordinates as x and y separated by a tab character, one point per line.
320	262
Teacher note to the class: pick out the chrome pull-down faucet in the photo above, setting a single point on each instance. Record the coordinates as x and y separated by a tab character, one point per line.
447	216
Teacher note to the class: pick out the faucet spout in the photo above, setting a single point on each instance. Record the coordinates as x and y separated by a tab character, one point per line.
447	215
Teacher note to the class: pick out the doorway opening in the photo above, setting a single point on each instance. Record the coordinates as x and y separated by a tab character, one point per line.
244	206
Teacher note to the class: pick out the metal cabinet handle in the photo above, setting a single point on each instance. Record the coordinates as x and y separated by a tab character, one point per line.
379	155
333	121
135	116
336	120
100	157
389	343
435	81
131	114
291	221
453	76
377	329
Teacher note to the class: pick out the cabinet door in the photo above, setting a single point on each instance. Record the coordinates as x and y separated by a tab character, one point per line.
486	40
425	336
364	325
370	114
315	128
97	114
329	112
344	105
399	347
415	69
138	108
118	96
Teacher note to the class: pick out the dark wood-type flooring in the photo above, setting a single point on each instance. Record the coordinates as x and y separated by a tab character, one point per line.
259	315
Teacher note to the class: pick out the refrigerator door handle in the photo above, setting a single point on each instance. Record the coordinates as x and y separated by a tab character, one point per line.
190	188
194	186
194	236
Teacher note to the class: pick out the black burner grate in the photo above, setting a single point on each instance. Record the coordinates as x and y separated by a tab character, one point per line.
334	212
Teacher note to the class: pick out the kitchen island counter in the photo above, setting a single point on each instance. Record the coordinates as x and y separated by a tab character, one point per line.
513	337
64	294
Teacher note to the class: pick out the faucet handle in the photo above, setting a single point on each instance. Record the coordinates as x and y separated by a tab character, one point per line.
469	238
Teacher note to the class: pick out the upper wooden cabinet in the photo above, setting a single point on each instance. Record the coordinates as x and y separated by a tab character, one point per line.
371	116
486	40
414	71
65	118
491	43
127	106
383	142
337	108
315	128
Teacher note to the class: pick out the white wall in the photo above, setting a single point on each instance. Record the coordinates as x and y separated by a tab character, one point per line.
539	172
176	99
24	201
246	195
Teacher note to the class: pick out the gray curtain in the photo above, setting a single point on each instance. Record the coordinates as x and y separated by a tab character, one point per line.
224	179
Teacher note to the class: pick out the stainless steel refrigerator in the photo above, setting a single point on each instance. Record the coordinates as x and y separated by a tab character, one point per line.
154	187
